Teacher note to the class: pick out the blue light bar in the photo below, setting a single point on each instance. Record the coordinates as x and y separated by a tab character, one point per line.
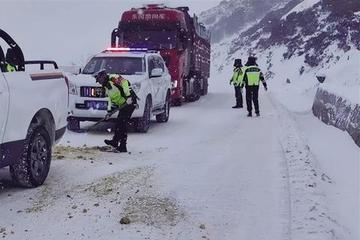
121	49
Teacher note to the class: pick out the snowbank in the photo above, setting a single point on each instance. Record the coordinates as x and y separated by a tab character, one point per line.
338	111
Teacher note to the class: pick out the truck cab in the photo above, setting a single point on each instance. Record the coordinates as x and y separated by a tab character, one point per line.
181	40
149	78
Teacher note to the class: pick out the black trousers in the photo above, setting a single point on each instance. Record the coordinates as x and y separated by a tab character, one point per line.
252	96
238	95
121	124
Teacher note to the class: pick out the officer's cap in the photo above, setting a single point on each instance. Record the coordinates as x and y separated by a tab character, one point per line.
99	74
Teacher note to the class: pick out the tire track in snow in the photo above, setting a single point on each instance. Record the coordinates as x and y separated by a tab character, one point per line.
310	217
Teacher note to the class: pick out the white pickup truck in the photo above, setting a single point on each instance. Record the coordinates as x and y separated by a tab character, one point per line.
149	78
33	112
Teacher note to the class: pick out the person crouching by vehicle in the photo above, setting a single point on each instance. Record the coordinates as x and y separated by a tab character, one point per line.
237	81
252	78
119	93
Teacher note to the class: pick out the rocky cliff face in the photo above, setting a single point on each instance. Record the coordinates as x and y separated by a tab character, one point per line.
229	17
306	30
338	111
304	27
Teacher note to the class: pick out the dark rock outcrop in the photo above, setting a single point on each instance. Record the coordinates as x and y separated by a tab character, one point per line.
232	16
339	112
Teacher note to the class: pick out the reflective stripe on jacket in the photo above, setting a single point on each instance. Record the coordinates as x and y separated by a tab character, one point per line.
253	76
10	68
238	76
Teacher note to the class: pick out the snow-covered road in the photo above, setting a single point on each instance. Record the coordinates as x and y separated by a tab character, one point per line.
210	173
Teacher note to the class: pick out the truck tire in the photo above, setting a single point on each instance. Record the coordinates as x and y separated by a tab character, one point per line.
196	94
73	124
204	91
33	167
143	123
164	117
197	89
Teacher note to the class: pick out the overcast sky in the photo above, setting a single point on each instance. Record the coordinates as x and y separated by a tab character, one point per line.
69	31
197	6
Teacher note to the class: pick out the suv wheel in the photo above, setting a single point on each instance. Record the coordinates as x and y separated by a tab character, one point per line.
33	167
143	123
164	117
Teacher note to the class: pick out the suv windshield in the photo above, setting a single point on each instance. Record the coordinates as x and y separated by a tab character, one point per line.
116	65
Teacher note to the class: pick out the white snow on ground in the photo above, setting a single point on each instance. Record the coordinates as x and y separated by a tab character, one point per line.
342	78
209	173
207	166
339	158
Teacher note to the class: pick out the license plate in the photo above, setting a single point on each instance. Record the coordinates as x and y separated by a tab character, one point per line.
98	105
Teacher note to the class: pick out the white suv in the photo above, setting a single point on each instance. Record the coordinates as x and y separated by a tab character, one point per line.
149	78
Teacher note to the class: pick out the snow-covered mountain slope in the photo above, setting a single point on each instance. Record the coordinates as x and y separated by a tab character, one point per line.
296	43
308	29
230	17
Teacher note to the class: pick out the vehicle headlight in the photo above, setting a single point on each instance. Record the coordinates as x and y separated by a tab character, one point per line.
174	84
72	89
136	87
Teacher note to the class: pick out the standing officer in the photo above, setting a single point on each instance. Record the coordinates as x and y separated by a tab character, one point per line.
252	78
119	94
237	81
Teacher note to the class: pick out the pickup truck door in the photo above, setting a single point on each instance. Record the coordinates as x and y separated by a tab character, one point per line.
4	104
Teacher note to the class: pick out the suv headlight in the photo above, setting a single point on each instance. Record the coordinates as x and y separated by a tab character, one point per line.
136	87
72	89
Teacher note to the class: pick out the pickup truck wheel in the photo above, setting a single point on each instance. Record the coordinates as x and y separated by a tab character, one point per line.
143	123
195	95
164	117
197	90
73	124
33	167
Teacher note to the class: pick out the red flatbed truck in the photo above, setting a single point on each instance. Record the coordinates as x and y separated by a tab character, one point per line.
182	41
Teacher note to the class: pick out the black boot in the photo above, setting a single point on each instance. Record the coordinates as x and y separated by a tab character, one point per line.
249	114
122	147
258	114
111	143
238	104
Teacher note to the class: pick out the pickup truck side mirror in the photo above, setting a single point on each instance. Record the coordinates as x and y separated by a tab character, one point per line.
156	72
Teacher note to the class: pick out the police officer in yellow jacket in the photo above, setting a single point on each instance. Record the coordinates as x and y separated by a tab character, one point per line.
119	93
252	78
237	81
